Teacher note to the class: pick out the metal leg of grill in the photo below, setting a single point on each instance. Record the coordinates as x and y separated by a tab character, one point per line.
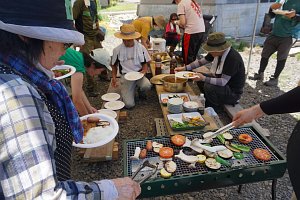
240	188
274	182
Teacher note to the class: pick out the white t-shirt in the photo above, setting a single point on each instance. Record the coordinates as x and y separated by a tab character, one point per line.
128	64
193	16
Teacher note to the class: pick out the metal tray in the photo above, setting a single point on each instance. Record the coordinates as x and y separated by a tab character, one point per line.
190	114
185	179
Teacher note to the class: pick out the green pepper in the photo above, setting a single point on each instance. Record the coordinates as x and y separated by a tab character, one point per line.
221	138
241	147
238	155
222	161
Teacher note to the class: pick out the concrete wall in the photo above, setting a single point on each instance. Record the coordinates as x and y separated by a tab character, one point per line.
234	18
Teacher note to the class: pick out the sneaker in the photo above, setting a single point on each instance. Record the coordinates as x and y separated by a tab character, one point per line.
272	81
257	76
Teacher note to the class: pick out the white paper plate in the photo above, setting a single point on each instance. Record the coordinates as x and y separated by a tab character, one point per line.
133	76
57	67
110	97
108	112
186	74
281	12
108	137
114	105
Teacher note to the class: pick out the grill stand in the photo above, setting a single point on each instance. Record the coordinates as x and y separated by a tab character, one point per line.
274	182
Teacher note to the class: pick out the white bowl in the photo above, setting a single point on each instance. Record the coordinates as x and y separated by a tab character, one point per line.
190	106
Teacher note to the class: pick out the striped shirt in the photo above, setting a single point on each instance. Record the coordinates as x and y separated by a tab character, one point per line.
27	144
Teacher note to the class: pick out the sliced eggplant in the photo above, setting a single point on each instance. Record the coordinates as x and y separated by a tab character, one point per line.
225	153
212	163
171	166
227	136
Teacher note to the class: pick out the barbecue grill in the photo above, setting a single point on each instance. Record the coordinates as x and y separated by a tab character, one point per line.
186	179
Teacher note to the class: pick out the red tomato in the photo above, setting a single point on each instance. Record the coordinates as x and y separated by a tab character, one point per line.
178	140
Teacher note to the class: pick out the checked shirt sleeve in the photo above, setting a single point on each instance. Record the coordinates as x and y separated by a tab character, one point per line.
26	149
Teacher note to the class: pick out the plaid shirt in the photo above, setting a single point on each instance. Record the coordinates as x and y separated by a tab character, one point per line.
27	169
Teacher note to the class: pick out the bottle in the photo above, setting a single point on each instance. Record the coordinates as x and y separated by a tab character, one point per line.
173	65
202	101
158	65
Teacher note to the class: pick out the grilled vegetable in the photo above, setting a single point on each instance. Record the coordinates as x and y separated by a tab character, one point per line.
212	163
143	154
221	139
136	155
149	145
241	147
156	146
238	155
228	146
222	161
186	158
164	173
227	136
166	152
178	140
261	154
201	158
171	166
103	123
245	138
225	153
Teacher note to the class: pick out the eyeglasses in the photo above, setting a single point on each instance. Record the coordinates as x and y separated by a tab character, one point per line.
174	19
67	45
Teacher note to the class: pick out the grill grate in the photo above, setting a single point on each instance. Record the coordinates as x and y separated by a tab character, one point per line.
182	167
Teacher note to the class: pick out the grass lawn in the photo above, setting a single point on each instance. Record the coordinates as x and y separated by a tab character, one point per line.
120	7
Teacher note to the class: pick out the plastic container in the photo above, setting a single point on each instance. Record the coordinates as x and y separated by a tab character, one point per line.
173	65
158	65
159	44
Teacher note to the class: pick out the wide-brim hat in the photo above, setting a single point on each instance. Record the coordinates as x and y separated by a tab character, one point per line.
216	42
127	32
101	56
160	21
44	20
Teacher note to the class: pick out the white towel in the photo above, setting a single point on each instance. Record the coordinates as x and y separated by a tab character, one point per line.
215	68
138	56
176	26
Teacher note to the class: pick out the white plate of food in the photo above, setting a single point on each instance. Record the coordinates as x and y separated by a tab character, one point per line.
164	97
186	121
108	112
99	129
133	76
63	71
110	97
114	105
186	74
281	12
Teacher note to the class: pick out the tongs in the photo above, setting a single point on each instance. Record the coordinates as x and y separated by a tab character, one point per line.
218	132
145	164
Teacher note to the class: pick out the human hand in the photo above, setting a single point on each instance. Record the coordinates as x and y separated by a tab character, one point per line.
199	77
127	188
114	82
247	115
291	14
275	6
178	69
94	110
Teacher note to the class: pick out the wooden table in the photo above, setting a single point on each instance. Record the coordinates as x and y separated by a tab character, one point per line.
159	90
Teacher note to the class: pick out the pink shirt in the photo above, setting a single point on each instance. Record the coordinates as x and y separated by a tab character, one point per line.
193	16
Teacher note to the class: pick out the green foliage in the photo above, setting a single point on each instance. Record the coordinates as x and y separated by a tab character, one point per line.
298	56
239	45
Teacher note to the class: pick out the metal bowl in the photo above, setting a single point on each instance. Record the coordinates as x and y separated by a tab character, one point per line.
170	84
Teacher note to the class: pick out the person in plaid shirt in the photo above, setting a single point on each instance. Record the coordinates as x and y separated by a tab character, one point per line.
38	121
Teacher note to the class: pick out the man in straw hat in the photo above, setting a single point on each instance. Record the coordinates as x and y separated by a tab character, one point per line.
38	119
191	20
226	82
130	56
144	25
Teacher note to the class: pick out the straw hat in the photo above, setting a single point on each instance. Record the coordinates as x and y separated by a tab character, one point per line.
127	32
160	21
44	20
216	43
